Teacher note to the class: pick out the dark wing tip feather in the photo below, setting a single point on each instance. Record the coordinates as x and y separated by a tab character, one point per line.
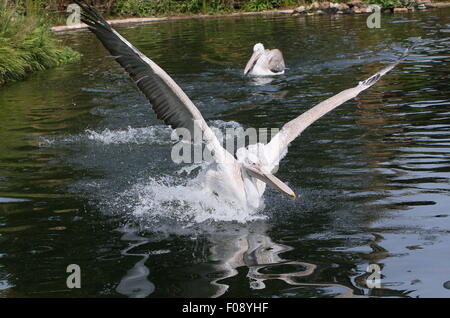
90	16
412	47
373	79
409	49
161	91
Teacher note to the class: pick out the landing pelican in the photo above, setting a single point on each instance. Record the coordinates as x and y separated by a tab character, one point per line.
239	181
265	62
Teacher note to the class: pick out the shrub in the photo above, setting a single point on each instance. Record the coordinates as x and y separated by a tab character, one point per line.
26	43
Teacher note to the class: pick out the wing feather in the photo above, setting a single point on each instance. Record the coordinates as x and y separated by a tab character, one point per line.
291	130
276	61
167	99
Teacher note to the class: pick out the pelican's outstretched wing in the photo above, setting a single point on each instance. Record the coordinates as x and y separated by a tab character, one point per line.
168	100
291	130
276	61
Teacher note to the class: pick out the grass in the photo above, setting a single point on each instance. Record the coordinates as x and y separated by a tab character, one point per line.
173	7
167	7
26	42
146	8
389	4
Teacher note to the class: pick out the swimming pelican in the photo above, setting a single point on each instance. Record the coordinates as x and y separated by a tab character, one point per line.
265	62
240	181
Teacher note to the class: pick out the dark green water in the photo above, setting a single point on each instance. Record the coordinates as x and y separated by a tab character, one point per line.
86	176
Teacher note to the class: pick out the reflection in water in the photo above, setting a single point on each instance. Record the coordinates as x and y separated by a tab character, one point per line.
376	256
261	256
135	283
262	80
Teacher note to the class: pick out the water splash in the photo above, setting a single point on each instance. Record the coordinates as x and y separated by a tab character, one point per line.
159	135
179	198
185	202
154	135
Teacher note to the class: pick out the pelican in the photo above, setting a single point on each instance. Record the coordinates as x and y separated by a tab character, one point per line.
265	62
240	181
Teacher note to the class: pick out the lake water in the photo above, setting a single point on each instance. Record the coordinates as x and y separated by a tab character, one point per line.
86	176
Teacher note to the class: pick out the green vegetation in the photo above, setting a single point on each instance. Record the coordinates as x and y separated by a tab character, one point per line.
146	8
176	7
388	4
260	5
168	7
26	43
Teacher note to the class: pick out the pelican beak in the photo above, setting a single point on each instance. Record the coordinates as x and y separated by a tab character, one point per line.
271	180
251	63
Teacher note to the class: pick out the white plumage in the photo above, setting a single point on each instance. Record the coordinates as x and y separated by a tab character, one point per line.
265	62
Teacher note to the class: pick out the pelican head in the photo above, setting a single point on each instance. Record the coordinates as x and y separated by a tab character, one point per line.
259	47
255	165
258	50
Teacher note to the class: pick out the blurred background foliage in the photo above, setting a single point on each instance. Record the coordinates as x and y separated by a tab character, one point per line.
26	42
